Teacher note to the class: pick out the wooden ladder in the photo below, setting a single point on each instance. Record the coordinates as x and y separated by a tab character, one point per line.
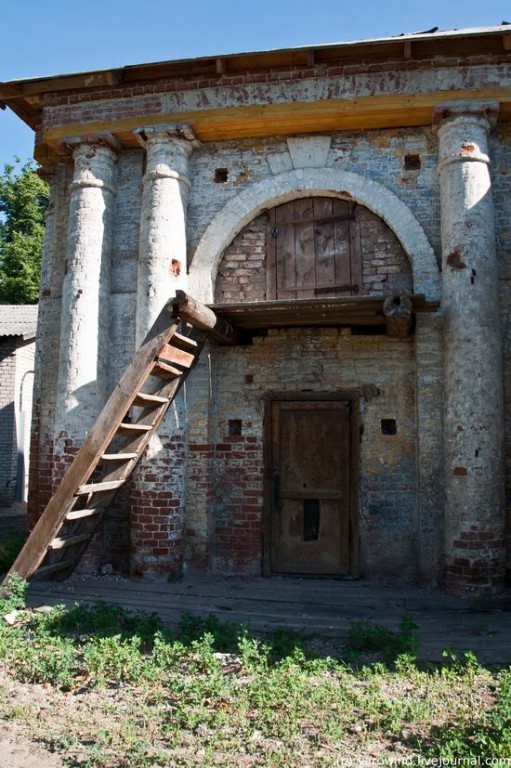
118	439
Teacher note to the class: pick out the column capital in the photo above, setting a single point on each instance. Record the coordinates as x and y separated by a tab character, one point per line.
463	128
180	134
168	148
94	158
486	111
105	140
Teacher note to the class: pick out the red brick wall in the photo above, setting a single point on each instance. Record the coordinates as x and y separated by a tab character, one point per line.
157	511
237	505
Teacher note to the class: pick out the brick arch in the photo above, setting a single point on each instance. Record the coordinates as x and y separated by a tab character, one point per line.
311	182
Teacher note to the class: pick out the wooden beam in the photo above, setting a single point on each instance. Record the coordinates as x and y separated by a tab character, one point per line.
368	112
397	311
320	312
203	318
69	82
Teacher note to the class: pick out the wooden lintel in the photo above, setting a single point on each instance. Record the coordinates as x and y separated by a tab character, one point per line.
319	312
391	110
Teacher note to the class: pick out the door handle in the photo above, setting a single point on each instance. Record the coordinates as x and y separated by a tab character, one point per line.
275	490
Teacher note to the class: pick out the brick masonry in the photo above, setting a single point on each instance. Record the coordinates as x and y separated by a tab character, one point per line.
226	474
198	501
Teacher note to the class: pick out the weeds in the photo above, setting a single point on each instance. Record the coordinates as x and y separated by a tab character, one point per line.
478	735
365	637
207	694
13	594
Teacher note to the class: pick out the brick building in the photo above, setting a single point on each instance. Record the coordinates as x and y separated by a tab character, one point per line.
17	347
347	206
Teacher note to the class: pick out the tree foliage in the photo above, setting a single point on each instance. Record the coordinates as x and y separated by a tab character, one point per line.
23	201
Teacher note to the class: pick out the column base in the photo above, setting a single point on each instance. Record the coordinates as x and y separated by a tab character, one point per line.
476	572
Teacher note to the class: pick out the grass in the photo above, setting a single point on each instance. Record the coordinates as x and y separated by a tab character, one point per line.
106	688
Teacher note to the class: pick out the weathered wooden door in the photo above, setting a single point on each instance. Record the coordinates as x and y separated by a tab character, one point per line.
313	249
311	494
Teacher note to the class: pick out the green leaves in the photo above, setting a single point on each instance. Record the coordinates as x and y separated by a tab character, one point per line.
23	202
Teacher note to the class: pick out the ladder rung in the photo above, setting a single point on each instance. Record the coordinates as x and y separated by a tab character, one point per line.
53	567
80	514
127	427
184	340
146	400
110	485
176	355
165	371
118	456
62	541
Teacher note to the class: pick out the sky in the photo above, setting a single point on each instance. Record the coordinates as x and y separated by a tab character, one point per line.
53	37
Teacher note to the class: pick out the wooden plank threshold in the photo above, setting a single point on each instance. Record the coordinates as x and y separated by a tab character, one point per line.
349	310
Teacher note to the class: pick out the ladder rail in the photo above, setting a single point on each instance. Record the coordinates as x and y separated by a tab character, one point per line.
81	547
97	441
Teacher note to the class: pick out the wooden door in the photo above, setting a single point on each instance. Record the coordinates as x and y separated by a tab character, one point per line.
311	494
313	249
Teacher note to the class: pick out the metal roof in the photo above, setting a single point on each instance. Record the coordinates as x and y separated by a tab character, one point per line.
18	320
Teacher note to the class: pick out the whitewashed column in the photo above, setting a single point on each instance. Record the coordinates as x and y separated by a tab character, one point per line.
47	342
473	386
162	252
84	351
157	495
